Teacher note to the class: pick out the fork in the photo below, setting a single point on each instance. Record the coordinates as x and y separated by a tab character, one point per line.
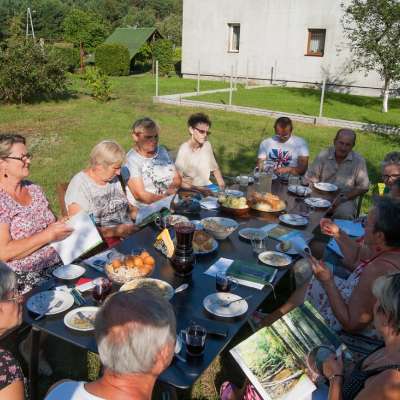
81	315
224	304
40	316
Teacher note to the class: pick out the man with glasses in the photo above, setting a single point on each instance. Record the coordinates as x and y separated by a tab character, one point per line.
390	170
195	160
149	171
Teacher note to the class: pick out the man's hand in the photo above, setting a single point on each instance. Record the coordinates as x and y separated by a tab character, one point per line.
321	270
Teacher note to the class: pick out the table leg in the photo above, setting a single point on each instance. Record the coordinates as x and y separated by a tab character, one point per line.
34	363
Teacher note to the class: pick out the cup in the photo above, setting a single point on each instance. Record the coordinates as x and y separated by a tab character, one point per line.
293	180
101	289
259	244
194	338
243	181
224	283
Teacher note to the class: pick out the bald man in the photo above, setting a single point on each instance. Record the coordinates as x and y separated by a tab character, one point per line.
346	169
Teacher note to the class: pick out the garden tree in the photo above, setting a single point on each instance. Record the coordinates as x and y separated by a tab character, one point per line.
8	10
84	28
28	73
171	28
113	10
163	52
141	18
373	29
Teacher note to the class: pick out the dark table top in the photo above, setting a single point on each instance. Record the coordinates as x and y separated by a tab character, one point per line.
188	305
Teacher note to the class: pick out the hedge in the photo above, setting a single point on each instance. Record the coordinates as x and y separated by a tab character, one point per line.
113	59
163	51
69	56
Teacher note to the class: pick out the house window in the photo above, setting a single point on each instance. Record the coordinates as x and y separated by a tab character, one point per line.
316	42
234	38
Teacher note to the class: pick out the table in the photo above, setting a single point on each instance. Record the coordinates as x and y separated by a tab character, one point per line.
188	304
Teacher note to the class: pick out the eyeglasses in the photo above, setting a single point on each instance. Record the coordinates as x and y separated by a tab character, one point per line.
14	296
23	158
203	131
387	177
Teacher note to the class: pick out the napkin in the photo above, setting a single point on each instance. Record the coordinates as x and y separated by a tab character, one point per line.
209	203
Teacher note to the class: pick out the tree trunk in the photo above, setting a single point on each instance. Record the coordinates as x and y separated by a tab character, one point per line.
81	55
386	96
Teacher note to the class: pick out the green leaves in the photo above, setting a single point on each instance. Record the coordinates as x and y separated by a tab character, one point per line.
113	59
98	83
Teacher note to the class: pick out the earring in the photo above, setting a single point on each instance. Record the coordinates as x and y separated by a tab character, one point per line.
5	176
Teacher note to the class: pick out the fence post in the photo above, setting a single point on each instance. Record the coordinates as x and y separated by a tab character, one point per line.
157	78
236	75
247	73
321	105
230	86
198	78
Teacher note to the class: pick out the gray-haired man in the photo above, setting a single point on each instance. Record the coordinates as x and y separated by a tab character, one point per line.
136	334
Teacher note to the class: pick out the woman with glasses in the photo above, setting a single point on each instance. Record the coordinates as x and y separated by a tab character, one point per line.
149	171
390	169
27	225
195	160
11	377
347	304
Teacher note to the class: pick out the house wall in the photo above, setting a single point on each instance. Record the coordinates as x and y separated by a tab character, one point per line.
273	42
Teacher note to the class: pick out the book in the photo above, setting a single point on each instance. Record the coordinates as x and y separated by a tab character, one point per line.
83	238
275	358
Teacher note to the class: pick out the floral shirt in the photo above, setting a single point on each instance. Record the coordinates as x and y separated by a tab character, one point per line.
24	222
10	370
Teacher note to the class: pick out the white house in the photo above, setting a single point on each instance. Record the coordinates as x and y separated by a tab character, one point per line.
294	42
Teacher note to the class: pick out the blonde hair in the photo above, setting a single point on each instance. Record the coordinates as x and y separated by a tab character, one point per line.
145	124
7	141
107	153
387	291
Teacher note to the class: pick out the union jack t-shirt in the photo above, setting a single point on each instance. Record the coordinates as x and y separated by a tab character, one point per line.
283	154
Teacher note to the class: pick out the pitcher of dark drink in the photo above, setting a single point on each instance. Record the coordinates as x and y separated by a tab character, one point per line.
183	258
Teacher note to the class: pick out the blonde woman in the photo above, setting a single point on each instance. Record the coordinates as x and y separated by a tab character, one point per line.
98	191
27	225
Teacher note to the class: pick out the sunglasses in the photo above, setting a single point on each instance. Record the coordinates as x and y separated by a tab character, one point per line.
203	131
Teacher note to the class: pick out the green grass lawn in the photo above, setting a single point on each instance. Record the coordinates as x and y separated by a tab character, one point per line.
306	101
62	133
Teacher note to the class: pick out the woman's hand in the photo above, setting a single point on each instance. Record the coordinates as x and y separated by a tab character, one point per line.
329	228
321	270
58	231
332	366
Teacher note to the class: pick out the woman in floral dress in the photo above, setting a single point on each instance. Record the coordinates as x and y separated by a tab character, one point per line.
27	225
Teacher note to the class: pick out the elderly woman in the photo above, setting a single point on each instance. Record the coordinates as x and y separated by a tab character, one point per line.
390	169
149	171
27	225
11	377
195	160
98	191
348	303
378	375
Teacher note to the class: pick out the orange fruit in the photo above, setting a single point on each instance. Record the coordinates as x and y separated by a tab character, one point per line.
146	269
138	262
149	260
144	254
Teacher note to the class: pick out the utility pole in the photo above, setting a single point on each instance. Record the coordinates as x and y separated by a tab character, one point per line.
29	24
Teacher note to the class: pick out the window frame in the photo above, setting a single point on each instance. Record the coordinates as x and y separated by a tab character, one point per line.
231	27
315	54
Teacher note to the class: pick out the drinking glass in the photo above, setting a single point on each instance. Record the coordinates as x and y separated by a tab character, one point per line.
259	244
224	283
293	180
101	289
195	339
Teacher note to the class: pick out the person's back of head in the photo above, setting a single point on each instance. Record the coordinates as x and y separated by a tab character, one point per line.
136	333
387	220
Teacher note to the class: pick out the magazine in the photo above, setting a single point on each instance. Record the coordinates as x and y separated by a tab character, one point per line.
275	358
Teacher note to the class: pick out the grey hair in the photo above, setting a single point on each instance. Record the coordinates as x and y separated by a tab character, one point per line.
391	158
387	291
7	141
145	125
106	153
8	280
131	330
388	219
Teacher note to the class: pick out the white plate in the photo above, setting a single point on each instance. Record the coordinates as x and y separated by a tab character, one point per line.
88	312
40	302
138	283
175	219
68	272
250	233
325	186
229	226
257	176
234	193
293	219
197	224
291	251
214	247
275	259
299	190
212	304
317	202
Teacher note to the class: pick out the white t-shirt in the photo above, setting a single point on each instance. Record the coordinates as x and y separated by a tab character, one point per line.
283	154
157	172
71	391
196	165
107	203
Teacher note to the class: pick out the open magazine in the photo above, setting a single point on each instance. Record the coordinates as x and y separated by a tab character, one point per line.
275	358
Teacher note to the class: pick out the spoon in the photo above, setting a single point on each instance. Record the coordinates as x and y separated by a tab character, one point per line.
181	288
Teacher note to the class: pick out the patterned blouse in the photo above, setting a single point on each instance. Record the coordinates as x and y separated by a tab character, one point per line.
25	221
10	370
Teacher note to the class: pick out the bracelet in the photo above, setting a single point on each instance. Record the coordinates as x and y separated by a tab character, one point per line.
334	376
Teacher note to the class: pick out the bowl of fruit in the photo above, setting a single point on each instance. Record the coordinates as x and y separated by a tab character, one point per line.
234	205
123	268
